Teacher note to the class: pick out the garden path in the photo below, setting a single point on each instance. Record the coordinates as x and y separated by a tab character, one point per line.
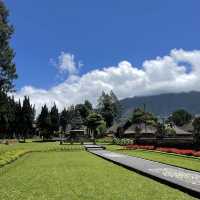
183	179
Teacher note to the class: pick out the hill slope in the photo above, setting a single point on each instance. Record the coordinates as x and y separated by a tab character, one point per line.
164	104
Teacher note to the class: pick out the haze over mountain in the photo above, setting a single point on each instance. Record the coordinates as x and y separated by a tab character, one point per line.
164	104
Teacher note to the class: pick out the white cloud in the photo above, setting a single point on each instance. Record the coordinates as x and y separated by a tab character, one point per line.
66	64
160	75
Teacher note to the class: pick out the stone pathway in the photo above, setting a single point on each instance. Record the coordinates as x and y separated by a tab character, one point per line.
185	180
89	147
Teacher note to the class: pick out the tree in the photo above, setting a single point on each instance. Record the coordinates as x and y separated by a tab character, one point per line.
106	109
7	67
7	75
71	112
84	109
84	112
54	116
18	119
196	125
88	105
181	117
160	130
27	118
117	107
109	107
140	116
11	117
64	119
44	122
93	121
4	124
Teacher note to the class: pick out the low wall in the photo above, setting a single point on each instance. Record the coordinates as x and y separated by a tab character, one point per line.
168	141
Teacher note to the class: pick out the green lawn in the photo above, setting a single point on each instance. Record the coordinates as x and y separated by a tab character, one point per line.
9	153
181	161
75	175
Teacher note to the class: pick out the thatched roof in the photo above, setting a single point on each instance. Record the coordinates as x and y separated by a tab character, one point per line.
112	129
144	129
115	126
188	127
180	131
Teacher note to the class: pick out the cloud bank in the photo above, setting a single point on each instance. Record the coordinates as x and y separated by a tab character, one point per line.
177	72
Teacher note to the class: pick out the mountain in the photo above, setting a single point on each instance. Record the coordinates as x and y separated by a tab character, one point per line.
163	104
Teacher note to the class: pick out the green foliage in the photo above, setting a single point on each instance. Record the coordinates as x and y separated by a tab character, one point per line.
15	120
109	107
44	122
7	67
64	119
94	121
170	131
54	117
181	117
88	105
140	116
84	109
101	128
10	156
160	130
123	141
27	117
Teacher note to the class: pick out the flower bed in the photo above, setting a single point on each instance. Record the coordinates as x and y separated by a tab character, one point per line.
188	152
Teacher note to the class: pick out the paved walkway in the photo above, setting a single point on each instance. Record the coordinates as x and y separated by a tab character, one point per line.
93	147
185	180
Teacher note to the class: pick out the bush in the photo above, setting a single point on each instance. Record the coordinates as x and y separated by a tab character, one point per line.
123	142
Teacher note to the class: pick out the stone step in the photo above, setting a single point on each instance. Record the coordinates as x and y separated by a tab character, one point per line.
93	147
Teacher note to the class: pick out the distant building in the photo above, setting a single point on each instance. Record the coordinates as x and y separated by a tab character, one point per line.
144	130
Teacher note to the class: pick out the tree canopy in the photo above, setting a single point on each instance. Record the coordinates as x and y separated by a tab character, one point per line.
7	66
181	117
109	107
140	116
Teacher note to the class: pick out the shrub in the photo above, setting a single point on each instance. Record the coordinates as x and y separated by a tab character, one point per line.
123	142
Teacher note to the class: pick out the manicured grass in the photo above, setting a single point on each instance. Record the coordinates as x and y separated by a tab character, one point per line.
77	175
9	153
180	161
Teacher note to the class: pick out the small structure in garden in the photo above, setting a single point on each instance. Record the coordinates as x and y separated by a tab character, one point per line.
77	130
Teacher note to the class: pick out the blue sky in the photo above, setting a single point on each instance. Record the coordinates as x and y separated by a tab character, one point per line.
99	33
121	33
